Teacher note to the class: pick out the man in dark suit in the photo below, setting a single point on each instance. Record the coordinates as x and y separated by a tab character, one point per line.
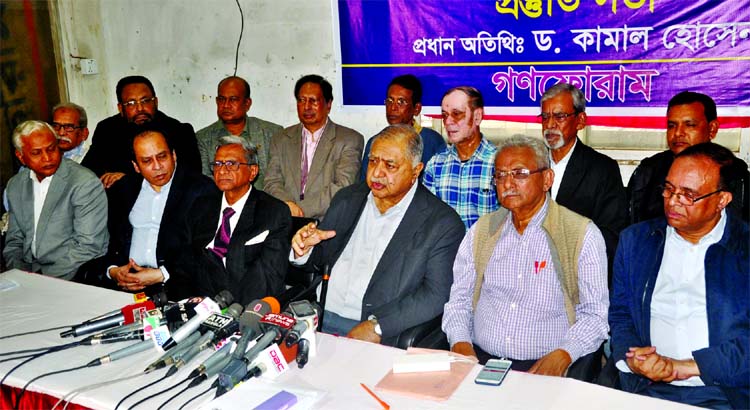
147	215
586	182
390	244
109	156
239	239
310	161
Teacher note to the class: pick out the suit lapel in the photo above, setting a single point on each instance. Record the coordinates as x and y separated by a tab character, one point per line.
574	173
246	222
56	188
326	144
295	151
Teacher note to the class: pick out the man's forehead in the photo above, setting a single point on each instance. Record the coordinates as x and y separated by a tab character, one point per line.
692	173
137	88
516	155
694	110
231	151
39	138
66	112
456	99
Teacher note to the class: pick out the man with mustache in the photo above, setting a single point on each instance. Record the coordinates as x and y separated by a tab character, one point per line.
461	175
109	154
691	119
530	280
148	212
390	244
681	296
586	181
57	208
232	105
70	122
311	161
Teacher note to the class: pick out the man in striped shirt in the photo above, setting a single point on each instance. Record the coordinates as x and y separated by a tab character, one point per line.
530	280
461	175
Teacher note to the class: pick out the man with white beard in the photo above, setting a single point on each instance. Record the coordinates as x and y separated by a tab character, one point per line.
586	182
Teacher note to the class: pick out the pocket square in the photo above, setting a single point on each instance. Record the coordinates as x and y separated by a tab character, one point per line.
258	238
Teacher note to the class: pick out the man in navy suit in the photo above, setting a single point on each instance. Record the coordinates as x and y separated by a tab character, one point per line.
148	211
239	238
390	244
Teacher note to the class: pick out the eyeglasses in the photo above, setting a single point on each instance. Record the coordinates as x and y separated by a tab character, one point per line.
400	102
143	101
558	116
230	165
313	101
234	100
517	174
67	127
685	198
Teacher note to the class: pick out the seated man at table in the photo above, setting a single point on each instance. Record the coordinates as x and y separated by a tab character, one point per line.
679	316
390	244
530	280
147	214
57	208
239	238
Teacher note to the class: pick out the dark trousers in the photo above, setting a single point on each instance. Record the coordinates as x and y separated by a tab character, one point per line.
711	397
586	368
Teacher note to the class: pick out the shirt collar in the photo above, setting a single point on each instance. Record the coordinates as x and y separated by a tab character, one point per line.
70	154
45	180
315	135
239	205
483	146
538	218
566	158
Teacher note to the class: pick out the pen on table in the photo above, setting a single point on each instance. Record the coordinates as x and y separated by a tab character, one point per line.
382	403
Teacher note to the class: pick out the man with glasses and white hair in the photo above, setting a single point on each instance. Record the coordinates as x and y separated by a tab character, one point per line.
57	208
587	182
530	280
109	154
70	122
239	238
680	302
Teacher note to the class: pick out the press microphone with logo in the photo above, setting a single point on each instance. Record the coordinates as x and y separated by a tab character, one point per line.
128	314
203	311
250	321
306	315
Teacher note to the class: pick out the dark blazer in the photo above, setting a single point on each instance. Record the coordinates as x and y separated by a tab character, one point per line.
412	281
726	361
592	187
252	271
112	144
187	188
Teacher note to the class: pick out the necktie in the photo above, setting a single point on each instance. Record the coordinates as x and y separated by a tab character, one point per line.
221	240
304	170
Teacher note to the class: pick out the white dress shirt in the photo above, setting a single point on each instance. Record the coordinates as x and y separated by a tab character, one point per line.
238	207
40	194
679	323
559	168
352	272
145	218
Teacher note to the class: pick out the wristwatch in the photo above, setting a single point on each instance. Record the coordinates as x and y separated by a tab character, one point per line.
374	320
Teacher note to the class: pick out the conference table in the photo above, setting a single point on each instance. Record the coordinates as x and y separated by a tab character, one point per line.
331	379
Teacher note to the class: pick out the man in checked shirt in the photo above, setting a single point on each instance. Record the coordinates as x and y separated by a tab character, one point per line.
530	280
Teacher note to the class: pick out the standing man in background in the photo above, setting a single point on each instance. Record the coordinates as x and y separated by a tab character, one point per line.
314	159
232	104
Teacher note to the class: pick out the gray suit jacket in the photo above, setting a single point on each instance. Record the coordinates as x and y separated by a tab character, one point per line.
72	228
335	165
413	278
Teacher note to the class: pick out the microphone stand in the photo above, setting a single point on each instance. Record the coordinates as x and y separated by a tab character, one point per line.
323	292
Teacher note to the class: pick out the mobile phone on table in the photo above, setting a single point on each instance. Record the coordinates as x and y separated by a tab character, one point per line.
493	373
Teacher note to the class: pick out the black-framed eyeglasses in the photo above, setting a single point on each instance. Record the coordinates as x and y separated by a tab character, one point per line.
230	165
401	102
142	101
558	116
67	127
685	198
516	174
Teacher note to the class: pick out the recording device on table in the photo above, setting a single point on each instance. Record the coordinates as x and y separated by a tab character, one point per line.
493	373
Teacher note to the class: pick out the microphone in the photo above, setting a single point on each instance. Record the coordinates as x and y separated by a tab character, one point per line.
173	355
203	311
250	321
276	326
323	293
303	352
127	315
306	315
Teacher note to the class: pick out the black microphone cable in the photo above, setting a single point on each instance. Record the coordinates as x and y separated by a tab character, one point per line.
38	349
211	387
141	388
189	386
159	393
35	356
20	395
35	331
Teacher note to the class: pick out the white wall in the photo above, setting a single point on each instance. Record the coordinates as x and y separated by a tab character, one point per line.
186	46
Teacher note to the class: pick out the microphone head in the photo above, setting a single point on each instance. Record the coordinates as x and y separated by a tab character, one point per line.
273	303
234	310
224	298
159	299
